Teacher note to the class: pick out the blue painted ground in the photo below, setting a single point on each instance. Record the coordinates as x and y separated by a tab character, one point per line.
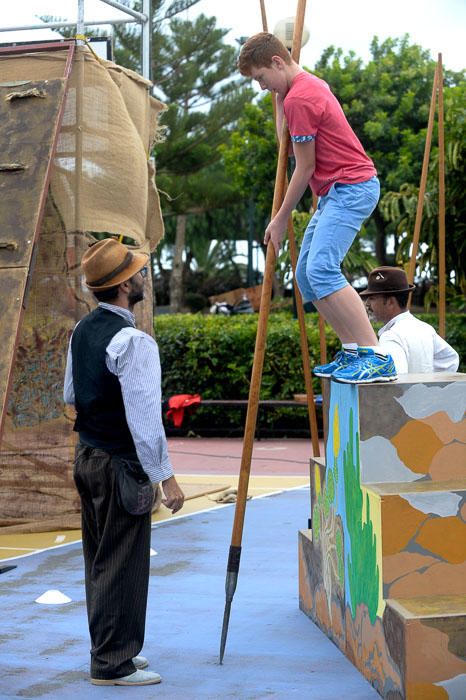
273	650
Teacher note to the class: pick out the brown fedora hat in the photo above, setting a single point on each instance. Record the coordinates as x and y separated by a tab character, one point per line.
109	263
387	280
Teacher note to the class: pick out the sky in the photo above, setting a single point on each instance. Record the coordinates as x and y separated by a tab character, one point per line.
437	25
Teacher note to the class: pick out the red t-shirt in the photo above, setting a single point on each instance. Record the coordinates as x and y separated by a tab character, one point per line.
313	112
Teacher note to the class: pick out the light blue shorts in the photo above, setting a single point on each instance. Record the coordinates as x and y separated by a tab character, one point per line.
328	237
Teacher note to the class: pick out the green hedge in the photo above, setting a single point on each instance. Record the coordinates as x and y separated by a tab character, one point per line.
213	355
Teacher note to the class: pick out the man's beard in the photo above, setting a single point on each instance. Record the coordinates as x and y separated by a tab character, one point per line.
135	295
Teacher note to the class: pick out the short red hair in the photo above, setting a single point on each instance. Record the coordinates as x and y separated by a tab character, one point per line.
258	50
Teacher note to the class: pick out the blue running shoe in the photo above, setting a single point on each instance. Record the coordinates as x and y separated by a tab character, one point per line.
370	367
342	359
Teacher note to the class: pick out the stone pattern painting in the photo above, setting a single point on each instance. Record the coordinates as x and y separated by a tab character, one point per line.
383	570
413	432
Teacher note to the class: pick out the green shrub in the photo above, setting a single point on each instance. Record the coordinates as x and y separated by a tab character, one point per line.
455	335
213	356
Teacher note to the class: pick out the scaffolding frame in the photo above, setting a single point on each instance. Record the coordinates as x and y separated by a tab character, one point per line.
143	18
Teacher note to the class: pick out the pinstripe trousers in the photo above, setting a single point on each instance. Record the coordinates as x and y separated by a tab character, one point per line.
116	548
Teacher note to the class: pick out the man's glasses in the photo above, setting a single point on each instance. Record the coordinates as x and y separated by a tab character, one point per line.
144	271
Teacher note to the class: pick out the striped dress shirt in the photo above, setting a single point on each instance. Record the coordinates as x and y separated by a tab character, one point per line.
133	357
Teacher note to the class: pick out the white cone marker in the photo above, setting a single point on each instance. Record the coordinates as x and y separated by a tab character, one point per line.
53	597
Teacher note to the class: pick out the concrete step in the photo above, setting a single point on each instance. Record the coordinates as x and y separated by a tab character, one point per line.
427	639
423	538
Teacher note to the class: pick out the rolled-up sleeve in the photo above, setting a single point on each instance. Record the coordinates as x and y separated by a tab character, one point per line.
133	356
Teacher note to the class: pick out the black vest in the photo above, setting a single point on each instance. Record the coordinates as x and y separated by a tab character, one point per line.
101	420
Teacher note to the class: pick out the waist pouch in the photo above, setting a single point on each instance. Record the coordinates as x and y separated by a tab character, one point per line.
134	488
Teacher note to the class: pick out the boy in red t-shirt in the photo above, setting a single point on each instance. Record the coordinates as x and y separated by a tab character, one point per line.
331	160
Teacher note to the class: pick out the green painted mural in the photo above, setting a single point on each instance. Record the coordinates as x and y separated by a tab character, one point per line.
363	571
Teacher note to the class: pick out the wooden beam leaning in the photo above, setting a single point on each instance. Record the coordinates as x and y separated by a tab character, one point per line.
304	345
259	352
441	204
422	186
299	302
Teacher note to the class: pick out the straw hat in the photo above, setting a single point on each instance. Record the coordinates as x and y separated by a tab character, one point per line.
387	280
109	263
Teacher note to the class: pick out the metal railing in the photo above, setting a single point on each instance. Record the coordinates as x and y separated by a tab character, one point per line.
143	18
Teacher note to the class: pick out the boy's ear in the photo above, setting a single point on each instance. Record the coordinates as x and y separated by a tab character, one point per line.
278	61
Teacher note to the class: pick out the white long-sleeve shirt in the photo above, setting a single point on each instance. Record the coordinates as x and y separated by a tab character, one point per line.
415	346
133	357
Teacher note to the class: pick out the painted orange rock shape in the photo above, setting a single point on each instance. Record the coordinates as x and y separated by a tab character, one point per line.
436	662
400	522
425	691
449	463
403	563
437	577
305	590
446	429
321	609
463	511
338	625
445	537
417	444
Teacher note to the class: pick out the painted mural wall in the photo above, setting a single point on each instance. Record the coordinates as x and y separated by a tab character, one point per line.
383	571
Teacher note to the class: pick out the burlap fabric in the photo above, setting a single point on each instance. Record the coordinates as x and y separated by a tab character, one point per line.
102	180
101	183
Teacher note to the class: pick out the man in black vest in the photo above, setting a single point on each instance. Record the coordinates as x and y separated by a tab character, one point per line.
113	379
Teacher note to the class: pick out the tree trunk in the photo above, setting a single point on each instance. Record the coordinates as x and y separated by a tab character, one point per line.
380	252
176	279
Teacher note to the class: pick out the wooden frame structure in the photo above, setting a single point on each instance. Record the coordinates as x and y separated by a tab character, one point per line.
436	100
17	256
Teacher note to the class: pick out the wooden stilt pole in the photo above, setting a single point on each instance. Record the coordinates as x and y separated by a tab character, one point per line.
441	204
422	187
324	383
311	408
264	16
259	352
323	344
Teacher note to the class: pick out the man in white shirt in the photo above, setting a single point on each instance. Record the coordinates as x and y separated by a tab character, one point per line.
414	345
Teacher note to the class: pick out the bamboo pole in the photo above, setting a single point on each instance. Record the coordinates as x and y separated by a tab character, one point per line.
323	344
441	203
422	186
263	16
259	352
311	408
324	384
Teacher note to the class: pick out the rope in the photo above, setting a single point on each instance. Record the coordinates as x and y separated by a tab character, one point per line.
83	37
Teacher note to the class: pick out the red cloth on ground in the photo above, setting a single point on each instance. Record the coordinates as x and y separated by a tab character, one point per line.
177	406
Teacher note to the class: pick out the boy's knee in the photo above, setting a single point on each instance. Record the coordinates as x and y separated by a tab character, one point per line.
301	277
302	281
324	279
